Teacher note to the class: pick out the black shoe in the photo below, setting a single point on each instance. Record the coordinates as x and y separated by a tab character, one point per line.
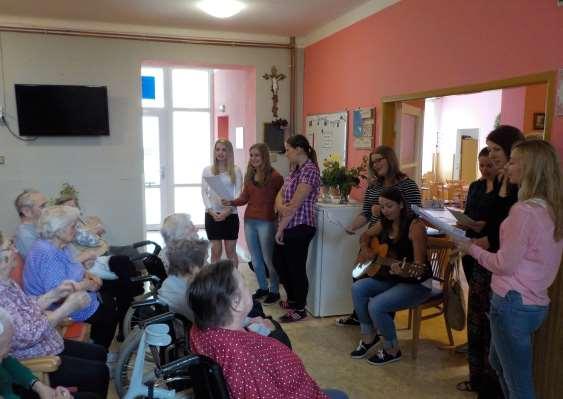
347	321
382	357
271	299
363	348
259	294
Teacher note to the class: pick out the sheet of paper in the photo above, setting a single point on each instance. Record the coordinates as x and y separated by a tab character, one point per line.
217	185
462	217
441	224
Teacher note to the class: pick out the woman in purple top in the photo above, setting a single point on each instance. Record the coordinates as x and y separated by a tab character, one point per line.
34	334
525	265
50	261
295	204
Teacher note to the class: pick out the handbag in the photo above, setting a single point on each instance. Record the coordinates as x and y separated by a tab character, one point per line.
455	303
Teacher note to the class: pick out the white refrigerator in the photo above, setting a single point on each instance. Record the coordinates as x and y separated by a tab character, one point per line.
331	259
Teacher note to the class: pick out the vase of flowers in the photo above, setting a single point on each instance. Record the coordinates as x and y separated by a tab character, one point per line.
337	176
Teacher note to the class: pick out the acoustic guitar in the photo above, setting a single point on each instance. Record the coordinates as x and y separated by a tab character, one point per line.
380	265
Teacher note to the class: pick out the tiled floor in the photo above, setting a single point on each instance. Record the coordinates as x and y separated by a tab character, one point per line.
324	349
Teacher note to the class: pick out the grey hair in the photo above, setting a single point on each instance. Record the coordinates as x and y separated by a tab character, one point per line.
56	218
184	255
175	226
25	199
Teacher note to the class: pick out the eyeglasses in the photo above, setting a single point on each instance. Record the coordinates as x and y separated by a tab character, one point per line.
373	161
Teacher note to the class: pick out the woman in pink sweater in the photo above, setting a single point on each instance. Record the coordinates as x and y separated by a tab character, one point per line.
531	244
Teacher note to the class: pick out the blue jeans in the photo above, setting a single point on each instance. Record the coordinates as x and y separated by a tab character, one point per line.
260	239
375	299
512	328
335	394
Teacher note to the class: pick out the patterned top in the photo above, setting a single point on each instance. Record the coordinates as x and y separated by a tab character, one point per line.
408	188
309	174
254	366
33	335
47	266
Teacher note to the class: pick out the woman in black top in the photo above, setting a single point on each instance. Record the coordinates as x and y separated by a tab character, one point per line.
383	171
489	209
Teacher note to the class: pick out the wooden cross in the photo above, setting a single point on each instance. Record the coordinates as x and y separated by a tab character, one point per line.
275	77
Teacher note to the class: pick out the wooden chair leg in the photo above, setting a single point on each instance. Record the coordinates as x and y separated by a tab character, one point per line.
409	324
449	330
416	321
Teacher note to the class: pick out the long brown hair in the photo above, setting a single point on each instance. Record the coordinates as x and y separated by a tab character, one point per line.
229	163
389	154
266	167
300	141
541	178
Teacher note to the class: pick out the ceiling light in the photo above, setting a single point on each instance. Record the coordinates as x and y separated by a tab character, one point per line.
221	8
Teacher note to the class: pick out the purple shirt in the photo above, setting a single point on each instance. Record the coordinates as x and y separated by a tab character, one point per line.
308	174
33	335
528	258
47	266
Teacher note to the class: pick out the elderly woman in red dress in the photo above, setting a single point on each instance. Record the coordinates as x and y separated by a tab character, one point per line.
255	366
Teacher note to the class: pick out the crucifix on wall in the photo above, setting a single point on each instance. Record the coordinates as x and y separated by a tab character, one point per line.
275	78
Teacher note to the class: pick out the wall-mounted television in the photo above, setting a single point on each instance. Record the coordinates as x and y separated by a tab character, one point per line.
61	110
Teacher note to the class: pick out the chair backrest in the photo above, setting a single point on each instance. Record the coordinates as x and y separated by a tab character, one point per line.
208	380
439	254
17	272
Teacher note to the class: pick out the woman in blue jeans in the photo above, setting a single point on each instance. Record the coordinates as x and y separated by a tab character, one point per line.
526	264
375	299
261	185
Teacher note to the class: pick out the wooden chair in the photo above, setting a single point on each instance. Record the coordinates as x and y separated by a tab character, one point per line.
42	366
441	255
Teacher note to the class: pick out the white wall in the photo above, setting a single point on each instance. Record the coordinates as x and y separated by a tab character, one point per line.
448	114
106	170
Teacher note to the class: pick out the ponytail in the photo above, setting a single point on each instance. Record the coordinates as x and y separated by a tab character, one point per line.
301	141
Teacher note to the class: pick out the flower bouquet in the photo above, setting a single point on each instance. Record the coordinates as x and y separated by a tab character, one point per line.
336	175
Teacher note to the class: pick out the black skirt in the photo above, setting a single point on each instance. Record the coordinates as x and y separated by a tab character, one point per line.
224	230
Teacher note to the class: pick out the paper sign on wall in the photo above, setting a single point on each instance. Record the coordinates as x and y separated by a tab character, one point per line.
559	110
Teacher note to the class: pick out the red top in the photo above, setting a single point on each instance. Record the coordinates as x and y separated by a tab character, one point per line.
260	200
255	367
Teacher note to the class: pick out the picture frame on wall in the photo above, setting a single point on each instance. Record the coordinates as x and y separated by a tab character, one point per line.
274	137
539	120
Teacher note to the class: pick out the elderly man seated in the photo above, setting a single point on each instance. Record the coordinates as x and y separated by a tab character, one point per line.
254	366
29	205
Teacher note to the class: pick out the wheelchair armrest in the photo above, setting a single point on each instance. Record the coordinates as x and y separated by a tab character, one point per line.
147	302
43	364
140	244
176	366
160	318
153	279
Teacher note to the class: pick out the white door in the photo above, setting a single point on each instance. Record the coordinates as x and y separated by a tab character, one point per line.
177	136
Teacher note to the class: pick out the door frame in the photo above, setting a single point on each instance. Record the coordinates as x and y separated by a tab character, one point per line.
388	133
418	113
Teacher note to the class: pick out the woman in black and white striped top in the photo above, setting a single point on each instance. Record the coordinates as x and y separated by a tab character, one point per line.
383	170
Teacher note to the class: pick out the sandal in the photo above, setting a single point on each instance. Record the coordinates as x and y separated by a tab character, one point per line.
464	386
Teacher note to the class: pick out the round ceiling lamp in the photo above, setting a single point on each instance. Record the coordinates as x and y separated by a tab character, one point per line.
221	8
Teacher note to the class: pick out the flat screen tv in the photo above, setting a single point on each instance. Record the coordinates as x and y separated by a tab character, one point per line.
60	110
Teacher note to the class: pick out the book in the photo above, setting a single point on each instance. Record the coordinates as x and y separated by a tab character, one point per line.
460	216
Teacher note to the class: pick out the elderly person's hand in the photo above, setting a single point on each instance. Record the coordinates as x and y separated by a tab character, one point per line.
87	258
46	392
66	288
77	300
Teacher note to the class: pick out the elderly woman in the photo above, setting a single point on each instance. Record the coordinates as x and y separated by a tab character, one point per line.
82	365
254	366
14	375
177	226
185	259
50	262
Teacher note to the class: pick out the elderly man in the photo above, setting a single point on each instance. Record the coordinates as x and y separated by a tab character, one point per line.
29	205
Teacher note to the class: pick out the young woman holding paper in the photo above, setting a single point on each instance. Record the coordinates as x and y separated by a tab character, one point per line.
525	265
221	222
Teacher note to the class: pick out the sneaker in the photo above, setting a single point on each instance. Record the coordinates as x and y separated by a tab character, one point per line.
271	299
293	316
382	357
260	293
347	321
361	351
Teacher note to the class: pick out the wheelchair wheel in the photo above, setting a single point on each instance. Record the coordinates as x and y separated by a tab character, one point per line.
135	315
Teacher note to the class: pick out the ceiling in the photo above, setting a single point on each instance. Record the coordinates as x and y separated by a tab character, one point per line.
270	17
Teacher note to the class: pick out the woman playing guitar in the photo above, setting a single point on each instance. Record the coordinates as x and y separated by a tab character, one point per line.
393	289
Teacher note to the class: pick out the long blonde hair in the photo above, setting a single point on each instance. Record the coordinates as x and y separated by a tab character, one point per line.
541	178
229	163
266	165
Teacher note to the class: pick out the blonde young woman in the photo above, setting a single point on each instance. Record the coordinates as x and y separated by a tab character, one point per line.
221	222
525	265
261	185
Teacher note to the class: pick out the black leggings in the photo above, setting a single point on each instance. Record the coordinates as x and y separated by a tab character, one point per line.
83	366
290	262
104	321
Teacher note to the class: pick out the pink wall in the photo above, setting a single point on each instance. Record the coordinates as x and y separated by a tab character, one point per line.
513	106
423	45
